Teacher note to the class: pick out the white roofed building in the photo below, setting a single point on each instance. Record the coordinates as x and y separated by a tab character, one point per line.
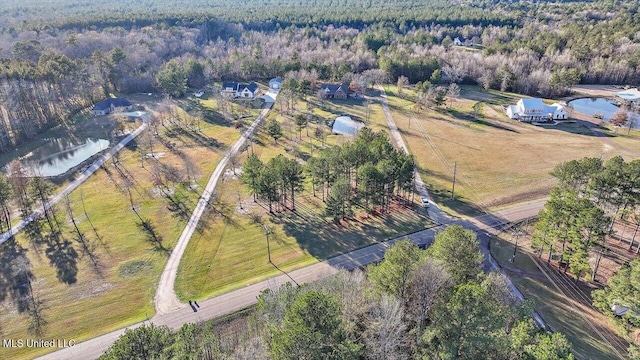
533	109
344	125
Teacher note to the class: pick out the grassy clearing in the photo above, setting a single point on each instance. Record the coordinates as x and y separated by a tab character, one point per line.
230	251
499	161
562	314
122	291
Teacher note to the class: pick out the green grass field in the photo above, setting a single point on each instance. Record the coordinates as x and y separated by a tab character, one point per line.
129	262
231	250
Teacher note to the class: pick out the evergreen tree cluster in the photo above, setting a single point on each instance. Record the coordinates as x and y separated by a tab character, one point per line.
581	212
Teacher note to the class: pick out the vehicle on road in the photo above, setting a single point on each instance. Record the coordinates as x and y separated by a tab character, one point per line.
425	202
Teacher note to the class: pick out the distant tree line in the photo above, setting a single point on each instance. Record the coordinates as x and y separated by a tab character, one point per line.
434	304
51	68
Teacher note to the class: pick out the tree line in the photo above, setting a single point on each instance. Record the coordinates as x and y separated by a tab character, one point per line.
581	212
367	171
51	72
434	304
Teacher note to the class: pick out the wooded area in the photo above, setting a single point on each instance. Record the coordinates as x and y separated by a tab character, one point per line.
580	215
414	304
367	171
56	63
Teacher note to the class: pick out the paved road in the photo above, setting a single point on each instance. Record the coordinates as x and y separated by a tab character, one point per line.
166	300
75	183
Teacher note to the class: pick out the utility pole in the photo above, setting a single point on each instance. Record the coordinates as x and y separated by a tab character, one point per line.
267	230
515	248
453	188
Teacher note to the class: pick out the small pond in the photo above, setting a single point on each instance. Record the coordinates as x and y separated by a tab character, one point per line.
591	106
59	155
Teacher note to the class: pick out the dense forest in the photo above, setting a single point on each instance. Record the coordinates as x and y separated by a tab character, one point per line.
55	60
415	304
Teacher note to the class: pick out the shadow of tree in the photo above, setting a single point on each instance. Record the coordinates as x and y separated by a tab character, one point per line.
323	239
15	274
184	135
153	237
64	257
178	204
473	119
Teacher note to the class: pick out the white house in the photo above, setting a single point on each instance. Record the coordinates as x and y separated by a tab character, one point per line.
238	90
457	41
559	112
529	110
275	84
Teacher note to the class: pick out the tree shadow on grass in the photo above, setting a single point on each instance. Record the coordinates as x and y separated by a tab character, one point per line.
576	127
152	237
473	119
323	239
178	204
64	257
15	284
184	135
33	232
223	209
15	274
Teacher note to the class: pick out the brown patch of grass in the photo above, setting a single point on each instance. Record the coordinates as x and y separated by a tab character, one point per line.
497	158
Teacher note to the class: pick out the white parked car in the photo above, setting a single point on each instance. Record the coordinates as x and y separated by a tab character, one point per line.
424	201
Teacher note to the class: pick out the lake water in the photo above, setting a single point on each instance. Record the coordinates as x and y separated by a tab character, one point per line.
604	107
57	156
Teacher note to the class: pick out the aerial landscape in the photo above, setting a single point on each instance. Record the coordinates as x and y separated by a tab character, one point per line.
323	179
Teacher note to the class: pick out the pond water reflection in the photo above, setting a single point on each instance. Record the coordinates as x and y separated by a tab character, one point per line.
601	106
57	156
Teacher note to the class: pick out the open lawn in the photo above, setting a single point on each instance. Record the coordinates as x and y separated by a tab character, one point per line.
112	282
230	250
498	161
561	310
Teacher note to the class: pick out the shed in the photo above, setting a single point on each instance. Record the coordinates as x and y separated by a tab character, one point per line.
275	84
345	125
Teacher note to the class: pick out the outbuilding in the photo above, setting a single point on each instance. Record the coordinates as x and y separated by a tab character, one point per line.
345	125
275	84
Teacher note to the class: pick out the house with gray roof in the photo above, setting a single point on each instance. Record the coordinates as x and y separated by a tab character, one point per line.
275	84
239	90
110	105
335	91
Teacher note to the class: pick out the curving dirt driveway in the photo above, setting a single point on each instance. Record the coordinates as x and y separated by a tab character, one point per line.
166	299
